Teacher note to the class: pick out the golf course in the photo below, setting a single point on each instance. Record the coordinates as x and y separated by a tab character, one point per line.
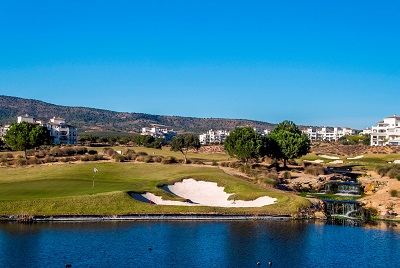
73	188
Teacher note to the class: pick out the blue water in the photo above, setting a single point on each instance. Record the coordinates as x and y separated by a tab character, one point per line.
197	244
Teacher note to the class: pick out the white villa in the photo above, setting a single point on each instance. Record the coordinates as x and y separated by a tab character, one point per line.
59	130
387	132
213	137
328	134
157	132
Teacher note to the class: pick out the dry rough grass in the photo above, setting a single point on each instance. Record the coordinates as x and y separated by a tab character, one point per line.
353	150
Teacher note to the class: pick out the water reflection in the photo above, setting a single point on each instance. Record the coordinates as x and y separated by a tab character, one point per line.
198	244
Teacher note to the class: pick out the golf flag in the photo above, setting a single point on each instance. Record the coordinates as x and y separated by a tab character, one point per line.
95	170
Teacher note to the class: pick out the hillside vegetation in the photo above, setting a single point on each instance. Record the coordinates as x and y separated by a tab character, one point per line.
99	120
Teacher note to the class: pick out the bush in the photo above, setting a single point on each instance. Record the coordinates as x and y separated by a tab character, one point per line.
235	164
119	158
148	159
49	159
393	193
40	154
56	152
142	153
130	154
8	155
267	181
214	163
69	151
21	162
287	175
314	170
81	150
92	152
158	158
169	160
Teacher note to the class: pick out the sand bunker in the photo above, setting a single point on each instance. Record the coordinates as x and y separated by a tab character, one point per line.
396	161
328	156
356	157
336	162
314	161
202	193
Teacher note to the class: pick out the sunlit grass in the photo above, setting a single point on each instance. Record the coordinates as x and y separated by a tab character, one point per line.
67	189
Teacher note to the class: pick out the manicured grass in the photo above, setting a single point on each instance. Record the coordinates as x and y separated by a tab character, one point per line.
67	189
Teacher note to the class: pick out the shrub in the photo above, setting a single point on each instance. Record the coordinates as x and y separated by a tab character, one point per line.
224	164
130	154
393	193
169	160
142	153
33	161
92	152
8	155
49	159
287	175
119	158
158	158
56	152
81	150
40	154
148	159
267	181
235	164
393	173
214	163
69	151
314	170
21	162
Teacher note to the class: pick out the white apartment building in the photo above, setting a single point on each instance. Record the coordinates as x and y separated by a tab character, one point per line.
213	137
59	130
262	132
157	132
328	134
387	132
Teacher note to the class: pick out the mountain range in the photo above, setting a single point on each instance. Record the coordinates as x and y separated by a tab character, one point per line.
105	121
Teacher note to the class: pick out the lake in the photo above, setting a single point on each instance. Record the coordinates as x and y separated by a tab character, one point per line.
198	244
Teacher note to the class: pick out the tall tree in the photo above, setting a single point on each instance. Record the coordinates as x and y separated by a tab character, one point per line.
23	136
290	142
244	144
183	143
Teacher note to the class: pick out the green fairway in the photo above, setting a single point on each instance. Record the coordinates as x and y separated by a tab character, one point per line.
67	189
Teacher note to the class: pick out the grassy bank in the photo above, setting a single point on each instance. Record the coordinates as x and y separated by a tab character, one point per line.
67	189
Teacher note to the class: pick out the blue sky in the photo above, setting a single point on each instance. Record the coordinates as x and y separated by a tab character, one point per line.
334	63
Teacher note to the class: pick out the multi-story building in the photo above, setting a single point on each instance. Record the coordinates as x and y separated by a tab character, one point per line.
328	134
157	132
387	132
59	130
213	137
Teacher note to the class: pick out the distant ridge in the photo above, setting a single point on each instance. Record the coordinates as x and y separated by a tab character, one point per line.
88	119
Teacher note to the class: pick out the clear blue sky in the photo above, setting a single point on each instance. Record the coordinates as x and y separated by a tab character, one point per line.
334	63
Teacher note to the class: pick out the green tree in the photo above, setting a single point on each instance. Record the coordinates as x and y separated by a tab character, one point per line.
244	143
23	136
183	143
290	142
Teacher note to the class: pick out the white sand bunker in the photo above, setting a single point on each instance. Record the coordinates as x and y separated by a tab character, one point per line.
396	161
356	157
203	193
328	156
318	161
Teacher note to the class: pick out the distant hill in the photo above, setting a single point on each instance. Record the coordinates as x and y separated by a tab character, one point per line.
98	120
